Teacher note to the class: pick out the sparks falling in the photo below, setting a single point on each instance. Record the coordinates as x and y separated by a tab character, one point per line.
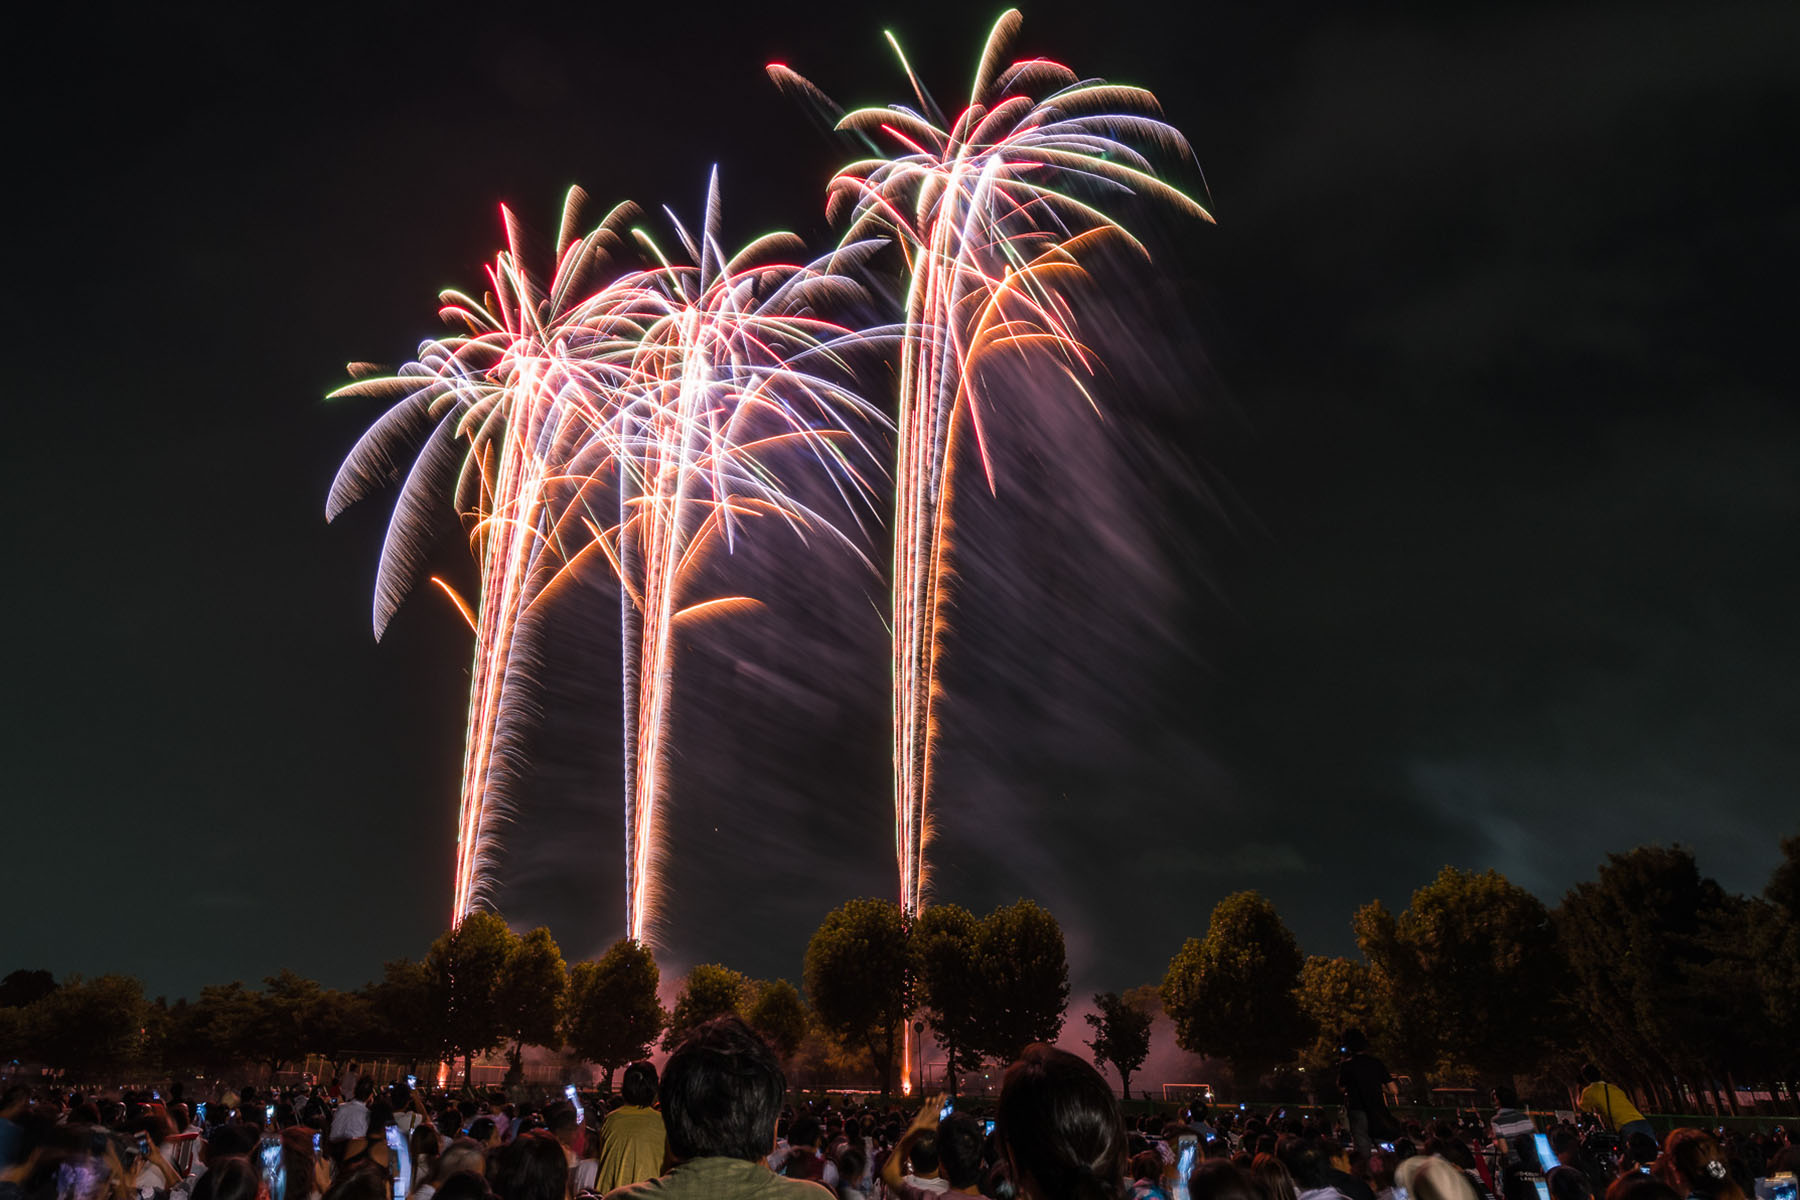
988	210
722	370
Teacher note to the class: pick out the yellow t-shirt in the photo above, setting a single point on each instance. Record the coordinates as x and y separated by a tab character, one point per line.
632	1141
1610	1103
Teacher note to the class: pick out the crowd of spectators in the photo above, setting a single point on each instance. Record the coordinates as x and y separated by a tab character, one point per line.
717	1125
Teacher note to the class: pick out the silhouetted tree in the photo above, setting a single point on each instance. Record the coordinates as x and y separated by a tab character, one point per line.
856	964
1121	1036
947	976
775	1011
614	1016
1024	980
531	996
467	967
709	991
1231	993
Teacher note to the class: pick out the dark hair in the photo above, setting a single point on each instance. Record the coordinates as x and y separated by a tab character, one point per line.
1635	1186
639	1087
922	1152
1218	1179
1505	1096
1060	1128
365	1181
1588	1073
1354	1040
1146	1164
1567	1183
804	1131
1304	1161
1693	1165
463	1185
959	1141
559	1116
231	1178
721	1093
365	1087
532	1167
481	1129
852	1161
229	1141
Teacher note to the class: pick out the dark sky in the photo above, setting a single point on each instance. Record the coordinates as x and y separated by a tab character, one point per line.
1448	517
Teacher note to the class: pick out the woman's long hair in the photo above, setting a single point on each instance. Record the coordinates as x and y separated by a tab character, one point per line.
1060	1129
1693	1165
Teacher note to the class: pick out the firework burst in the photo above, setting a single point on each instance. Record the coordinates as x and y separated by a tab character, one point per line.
993	211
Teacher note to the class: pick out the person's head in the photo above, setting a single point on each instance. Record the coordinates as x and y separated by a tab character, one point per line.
1634	1185
1146	1164
1217	1179
1588	1073
484	1132
1429	1177
1567	1183
1305	1161
365	1181
959	1142
1505	1096
532	1167
1271	1179
721	1094
852	1163
463	1185
1059	1127
805	1132
229	1178
559	1119
922	1154
1693	1165
1354	1041
365	1088
462	1154
639	1086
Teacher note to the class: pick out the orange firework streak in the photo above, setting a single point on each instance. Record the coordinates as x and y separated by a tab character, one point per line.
984	210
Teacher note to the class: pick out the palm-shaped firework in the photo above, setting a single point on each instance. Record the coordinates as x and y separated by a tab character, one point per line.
502	408
720	369
676	388
992	211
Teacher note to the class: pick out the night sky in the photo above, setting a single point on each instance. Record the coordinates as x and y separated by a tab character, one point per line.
1444	510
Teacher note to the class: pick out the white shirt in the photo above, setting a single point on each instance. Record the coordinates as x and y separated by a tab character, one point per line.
939	1185
351	1120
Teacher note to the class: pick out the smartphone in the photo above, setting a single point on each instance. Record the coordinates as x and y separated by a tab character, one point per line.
274	1169
316	1136
401	1162
988	1128
949	1107
412	1081
1543	1189
1187	1152
200	1111
156	1093
1388	1146
143	1144
1546	1156
268	1115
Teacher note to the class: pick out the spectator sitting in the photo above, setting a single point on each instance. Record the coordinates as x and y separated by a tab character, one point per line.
633	1140
1692	1165
1146	1176
463	1154
1217	1179
1305	1160
721	1096
804	1159
1060	1129
532	1167
1429	1177
917	1152
1272	1179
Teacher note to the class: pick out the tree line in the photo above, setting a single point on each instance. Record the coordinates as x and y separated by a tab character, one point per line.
1651	970
1654	972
